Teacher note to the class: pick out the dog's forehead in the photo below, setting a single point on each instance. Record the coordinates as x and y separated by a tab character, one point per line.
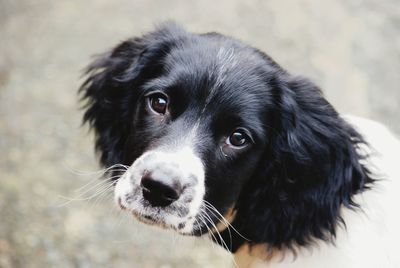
222	81
216	59
220	72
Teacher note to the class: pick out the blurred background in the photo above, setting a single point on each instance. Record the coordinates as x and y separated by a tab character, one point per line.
351	48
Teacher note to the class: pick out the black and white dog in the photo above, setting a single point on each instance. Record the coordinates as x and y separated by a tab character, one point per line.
214	130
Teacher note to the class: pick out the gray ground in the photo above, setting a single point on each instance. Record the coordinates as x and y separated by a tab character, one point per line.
351	48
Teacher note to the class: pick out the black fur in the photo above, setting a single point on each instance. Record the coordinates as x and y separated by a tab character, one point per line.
288	187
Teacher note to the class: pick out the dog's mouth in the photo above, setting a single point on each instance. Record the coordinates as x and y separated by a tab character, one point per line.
159	191
170	218
188	215
205	220
157	221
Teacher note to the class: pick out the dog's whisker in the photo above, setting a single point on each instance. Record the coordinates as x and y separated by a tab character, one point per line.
101	189
209	232
225	220
96	172
224	245
99	183
94	183
217	215
100	197
227	226
89	183
216	230
95	189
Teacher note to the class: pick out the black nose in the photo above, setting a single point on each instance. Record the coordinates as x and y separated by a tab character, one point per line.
160	193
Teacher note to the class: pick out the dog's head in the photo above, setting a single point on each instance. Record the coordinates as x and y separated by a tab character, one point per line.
208	126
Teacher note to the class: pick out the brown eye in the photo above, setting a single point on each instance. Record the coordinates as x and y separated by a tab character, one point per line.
238	138
158	103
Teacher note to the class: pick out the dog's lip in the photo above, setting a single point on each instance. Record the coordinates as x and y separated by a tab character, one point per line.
150	220
144	217
119	201
140	216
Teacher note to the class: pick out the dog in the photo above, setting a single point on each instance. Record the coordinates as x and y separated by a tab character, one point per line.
219	139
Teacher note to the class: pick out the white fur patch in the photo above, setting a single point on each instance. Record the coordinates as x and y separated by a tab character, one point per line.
181	164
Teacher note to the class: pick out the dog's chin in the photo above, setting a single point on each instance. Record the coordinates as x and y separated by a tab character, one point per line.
151	220
183	228
169	218
166	218
193	226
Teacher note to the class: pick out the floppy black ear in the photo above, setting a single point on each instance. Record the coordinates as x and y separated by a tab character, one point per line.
106	109
112	87
309	170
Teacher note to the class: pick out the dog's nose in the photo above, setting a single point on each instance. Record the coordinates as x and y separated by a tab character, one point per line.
159	192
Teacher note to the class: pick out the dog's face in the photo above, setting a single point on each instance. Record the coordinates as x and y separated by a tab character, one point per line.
207	126
196	135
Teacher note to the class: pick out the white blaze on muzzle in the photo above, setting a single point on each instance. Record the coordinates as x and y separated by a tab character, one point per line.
164	187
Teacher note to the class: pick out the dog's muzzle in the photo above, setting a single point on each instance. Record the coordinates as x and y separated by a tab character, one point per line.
163	188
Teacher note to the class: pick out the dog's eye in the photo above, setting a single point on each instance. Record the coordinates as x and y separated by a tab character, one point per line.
158	103
239	138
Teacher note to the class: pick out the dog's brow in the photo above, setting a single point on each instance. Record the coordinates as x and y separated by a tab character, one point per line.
225	60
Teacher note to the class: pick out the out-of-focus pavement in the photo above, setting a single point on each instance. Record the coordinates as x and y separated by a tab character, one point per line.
351	48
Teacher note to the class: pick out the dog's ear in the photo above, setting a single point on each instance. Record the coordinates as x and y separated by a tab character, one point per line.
310	144
104	95
111	87
309	170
